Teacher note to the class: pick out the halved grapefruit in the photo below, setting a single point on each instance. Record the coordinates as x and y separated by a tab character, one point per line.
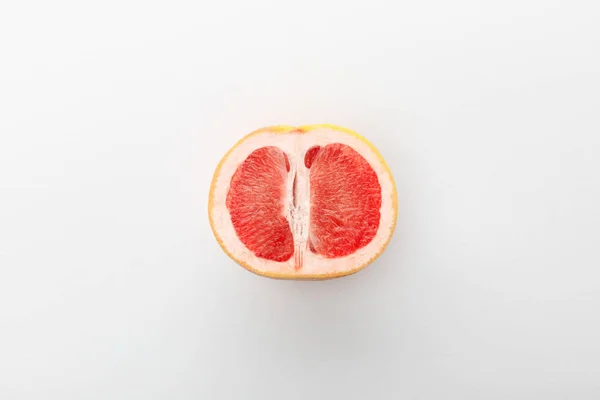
312	202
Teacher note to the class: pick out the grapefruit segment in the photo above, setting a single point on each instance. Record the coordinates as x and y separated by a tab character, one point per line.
313	202
345	201
256	203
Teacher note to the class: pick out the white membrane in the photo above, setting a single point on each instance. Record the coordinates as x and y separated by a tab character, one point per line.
295	146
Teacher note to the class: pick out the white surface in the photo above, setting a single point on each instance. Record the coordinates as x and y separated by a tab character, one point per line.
114	114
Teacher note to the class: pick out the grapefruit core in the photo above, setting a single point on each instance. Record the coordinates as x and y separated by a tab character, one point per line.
312	202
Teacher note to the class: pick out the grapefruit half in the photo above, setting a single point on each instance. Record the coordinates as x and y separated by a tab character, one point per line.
309	202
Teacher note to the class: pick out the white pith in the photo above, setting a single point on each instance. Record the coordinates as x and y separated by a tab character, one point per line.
295	146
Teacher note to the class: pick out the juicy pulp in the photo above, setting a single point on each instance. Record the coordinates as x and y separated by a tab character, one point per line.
326	201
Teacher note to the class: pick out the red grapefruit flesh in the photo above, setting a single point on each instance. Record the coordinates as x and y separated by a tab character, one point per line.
345	201
310	155
303	203
256	201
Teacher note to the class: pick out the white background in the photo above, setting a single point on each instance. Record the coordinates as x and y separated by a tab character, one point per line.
114	114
